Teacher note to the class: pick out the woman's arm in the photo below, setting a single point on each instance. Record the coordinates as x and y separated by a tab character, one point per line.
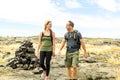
54	42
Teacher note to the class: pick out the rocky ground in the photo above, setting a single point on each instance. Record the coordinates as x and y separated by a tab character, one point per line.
100	65
89	69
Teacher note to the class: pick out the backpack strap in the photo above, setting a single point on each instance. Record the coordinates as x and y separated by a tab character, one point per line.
42	34
51	35
75	35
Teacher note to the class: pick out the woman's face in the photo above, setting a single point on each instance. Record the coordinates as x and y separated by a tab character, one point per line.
49	25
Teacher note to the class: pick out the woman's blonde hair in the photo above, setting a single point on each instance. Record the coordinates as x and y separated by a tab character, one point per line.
46	23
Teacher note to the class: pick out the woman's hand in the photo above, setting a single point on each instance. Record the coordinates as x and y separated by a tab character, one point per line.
53	54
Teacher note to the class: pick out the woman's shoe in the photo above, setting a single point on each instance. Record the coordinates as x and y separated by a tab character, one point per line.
43	75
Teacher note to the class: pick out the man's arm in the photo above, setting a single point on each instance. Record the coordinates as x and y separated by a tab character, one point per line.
62	45
84	47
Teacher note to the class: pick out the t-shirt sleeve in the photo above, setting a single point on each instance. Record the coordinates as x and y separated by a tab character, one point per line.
79	35
65	36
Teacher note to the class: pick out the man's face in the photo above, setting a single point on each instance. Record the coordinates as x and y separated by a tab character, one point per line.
68	27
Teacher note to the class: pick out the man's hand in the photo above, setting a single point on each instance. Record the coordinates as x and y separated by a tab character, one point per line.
85	55
37	54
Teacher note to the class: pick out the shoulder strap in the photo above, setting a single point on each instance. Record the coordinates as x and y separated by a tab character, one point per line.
42	34
75	35
76	38
51	35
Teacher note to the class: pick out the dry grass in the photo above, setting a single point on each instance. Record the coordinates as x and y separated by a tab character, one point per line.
5	71
117	70
9	48
111	50
113	60
90	49
102	49
2	61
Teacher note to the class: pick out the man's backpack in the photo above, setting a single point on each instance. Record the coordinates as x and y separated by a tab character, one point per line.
50	36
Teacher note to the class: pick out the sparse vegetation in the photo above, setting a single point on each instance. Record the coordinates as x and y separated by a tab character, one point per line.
98	46
118	73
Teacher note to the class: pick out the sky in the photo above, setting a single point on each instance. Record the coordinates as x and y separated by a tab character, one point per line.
93	18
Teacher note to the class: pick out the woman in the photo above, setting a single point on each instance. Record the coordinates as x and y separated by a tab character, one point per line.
46	44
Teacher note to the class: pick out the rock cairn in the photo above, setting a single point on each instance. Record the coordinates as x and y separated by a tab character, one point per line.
24	57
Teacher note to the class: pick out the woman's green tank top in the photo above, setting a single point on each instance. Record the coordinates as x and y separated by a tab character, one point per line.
46	44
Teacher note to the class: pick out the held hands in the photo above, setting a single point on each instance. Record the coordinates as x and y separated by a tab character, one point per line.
59	53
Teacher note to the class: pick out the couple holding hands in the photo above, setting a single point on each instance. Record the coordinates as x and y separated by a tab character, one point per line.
46	49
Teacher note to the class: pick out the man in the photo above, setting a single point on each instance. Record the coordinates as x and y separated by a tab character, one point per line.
74	42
